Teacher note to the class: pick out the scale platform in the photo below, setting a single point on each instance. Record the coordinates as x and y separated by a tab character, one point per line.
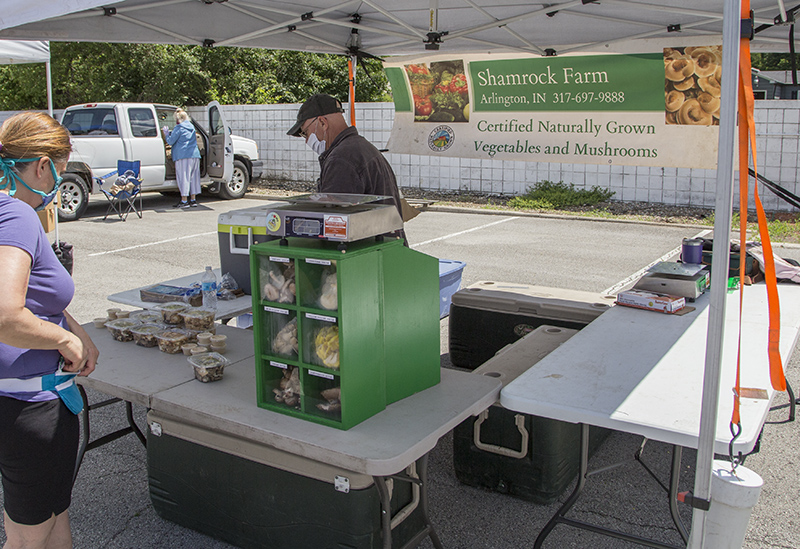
339	217
679	279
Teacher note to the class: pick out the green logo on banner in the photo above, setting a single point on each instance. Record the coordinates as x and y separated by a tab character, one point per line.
587	83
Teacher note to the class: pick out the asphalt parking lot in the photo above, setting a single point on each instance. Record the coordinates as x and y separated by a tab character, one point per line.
111	507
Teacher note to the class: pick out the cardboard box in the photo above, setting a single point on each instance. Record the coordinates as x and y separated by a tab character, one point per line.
651	301
48	218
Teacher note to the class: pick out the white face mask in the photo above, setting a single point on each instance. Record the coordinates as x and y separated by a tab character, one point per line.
316	145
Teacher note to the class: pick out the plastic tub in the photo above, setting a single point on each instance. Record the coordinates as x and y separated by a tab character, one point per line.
208	366
145	334
171	312
146	316
449	283
171	340
121	328
198	318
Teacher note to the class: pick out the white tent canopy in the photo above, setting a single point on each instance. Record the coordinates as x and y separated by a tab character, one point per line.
23	51
385	27
392	27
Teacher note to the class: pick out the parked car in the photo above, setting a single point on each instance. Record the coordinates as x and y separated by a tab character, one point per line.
103	133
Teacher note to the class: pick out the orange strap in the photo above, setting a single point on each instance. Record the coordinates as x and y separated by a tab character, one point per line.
352	92
747	137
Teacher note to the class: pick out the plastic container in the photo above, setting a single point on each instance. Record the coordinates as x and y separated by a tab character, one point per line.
100	322
121	328
123	314
187	348
449	283
732	500
208	366
171	312
147	316
144	335
198	318
171	340
488	315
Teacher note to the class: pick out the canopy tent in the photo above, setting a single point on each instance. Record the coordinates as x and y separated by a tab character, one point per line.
381	27
22	51
384	27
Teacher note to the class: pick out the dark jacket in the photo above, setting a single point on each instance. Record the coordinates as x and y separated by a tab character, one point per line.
351	164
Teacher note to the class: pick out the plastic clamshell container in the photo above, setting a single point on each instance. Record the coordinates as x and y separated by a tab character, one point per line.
145	334
147	316
172	339
198	318
121	328
319	284
171	312
208	366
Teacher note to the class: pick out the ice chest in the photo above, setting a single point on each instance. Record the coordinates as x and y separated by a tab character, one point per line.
449	282
237	231
529	457
488	315
254	496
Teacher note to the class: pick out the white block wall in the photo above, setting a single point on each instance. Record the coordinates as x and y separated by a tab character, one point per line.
287	158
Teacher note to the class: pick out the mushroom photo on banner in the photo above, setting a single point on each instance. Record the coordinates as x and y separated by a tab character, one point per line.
692	77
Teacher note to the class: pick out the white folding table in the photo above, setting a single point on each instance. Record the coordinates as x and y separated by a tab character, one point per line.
641	372
226	308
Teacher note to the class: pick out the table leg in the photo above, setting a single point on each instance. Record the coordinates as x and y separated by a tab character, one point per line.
560	518
674	477
386	510
85	445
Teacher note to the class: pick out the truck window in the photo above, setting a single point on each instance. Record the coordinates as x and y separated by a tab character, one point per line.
216	122
91	121
143	124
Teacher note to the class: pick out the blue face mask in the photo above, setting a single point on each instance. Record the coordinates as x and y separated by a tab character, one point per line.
10	177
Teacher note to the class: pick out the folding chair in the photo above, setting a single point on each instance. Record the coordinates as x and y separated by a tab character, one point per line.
127	187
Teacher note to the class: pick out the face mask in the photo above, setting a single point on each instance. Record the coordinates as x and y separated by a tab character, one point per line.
316	145
11	177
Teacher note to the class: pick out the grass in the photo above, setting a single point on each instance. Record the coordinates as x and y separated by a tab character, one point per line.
547	195
782	228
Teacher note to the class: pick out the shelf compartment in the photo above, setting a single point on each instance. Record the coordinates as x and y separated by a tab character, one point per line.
276	279
318	283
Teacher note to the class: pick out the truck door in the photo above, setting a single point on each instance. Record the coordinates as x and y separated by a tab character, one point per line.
219	163
146	145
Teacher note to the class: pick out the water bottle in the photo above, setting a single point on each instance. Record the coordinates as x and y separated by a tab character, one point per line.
209	286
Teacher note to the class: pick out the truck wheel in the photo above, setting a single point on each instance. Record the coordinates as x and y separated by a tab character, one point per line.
74	197
237	186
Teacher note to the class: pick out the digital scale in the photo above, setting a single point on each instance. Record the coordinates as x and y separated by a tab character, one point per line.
679	279
339	217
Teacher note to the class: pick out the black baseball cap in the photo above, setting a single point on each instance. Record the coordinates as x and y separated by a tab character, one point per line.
316	105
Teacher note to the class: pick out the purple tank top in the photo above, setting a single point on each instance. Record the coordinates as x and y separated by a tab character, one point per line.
50	290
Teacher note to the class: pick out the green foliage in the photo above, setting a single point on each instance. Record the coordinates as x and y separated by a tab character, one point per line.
547	195
773	61
183	75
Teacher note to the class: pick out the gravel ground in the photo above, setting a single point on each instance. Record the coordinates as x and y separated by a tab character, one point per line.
639	211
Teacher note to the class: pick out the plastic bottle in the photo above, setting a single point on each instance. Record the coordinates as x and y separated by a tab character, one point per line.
209	285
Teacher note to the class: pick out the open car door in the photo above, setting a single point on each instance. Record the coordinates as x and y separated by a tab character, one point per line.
219	164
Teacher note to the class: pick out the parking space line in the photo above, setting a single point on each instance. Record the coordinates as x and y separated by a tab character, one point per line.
635	276
152	243
463	232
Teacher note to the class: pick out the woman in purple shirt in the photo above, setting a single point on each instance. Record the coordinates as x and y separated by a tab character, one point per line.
42	347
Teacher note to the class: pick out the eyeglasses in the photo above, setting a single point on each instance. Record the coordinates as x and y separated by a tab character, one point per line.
304	132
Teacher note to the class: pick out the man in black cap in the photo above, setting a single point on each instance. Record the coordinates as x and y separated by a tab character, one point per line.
349	163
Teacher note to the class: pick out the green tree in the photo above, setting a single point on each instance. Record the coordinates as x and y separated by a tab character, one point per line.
183	75
773	61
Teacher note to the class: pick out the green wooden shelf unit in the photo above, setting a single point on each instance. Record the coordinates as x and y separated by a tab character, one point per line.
341	335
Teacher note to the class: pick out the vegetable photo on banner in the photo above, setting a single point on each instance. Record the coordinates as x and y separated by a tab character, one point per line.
440	91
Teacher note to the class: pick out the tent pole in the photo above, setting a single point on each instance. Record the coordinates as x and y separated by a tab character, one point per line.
351	65
49	88
719	265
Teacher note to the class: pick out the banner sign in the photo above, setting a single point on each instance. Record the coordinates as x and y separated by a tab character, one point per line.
645	109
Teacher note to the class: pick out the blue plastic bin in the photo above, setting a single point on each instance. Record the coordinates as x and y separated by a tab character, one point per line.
449	283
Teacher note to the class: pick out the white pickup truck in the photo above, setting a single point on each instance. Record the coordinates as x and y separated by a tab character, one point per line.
103	133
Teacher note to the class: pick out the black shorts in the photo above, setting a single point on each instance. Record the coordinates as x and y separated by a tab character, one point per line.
38	449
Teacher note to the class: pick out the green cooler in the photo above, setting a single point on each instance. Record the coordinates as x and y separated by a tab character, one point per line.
237	231
255	496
